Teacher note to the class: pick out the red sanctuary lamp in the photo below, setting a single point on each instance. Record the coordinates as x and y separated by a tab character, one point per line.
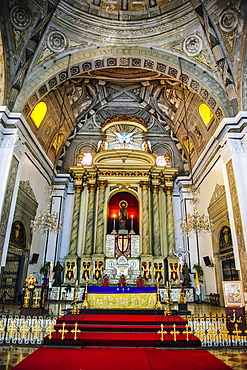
132	224
114	225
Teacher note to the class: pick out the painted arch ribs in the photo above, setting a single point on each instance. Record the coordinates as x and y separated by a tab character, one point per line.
165	69
154	116
162	70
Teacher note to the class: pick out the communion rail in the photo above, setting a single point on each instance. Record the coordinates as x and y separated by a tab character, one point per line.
214	331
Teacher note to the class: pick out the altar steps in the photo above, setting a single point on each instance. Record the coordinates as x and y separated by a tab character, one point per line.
121	339
120	318
121	330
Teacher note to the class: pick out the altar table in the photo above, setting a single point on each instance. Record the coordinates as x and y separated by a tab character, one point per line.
122	297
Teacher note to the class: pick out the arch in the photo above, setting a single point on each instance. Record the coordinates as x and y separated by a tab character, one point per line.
197	79
161	63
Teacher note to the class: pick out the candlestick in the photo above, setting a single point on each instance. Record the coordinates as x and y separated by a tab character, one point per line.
114	225
132	225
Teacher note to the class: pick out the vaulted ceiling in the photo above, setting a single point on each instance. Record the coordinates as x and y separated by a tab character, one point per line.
91	60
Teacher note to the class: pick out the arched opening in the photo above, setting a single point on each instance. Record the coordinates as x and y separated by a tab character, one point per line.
205	113
38	113
132	209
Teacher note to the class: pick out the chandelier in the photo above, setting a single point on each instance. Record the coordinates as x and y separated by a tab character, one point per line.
46	221
195	223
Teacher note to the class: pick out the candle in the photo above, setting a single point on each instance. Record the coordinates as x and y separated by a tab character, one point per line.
50	274
167	284
132	222
114	221
76	283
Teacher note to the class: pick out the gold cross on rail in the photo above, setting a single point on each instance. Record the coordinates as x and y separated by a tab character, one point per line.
51	329
12	329
24	329
36	330
175	332
63	331
237	331
162	332
187	332
75	331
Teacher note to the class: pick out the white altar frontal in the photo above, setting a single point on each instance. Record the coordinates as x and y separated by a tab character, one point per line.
122	258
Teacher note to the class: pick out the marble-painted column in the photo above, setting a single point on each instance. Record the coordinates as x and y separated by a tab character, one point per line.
146	248
75	220
170	219
100	218
156	220
88	250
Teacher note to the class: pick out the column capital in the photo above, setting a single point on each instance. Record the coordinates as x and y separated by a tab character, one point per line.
91	187
144	185
168	190
102	184
155	188
78	188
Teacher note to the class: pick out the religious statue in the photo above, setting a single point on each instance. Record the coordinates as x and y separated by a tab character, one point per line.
31	282
58	269
139	281
168	159
123	214
105	280
122	280
225	237
186	274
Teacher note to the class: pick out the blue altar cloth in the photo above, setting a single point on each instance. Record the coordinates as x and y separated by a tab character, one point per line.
119	290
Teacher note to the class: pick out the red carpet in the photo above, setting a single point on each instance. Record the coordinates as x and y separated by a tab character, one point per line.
120	359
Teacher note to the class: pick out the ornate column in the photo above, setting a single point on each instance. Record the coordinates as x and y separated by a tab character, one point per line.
156	220
100	218
170	218
146	248
75	219
88	250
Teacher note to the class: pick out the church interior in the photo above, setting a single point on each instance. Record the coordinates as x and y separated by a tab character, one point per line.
123	152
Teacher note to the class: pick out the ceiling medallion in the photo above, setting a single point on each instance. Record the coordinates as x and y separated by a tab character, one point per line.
20	17
228	20
192	45
57	42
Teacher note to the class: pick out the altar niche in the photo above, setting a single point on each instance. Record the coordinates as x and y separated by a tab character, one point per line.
122	239
123	214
